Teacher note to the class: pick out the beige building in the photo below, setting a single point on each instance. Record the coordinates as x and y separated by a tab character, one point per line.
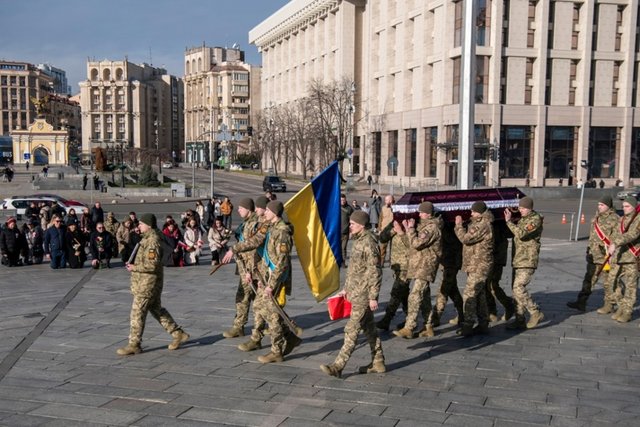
41	144
216	103
556	84
130	106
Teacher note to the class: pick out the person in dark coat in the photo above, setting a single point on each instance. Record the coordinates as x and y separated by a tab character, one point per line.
97	214
54	246
100	246
12	243
34	237
74	246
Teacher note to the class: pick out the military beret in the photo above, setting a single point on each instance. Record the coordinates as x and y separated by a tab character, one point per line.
261	202
526	202
631	200
360	217
606	200
425	207
149	219
247	203
479	206
276	207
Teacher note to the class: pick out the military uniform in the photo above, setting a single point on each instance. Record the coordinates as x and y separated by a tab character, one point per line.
111	224
275	269
603	225
399	264
477	262
626	237
146	286
250	235
364	278
451	262
524	260
493	290
424	258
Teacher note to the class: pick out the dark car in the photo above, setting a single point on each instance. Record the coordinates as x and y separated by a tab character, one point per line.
274	183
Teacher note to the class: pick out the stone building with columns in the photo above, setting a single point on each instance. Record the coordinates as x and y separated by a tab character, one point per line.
556	84
41	144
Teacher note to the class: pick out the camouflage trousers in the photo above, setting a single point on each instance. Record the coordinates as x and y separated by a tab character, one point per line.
244	297
493	291
139	309
588	282
399	294
521	278
419	300
448	290
361	319
474	299
265	313
383	251
629	275
611	285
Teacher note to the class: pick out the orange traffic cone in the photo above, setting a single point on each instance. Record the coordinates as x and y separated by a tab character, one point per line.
582	220
564	219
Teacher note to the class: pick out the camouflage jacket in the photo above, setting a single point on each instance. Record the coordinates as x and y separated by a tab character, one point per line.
275	259
250	235
608	221
477	244
426	249
622	240
401	248
526	241
147	275
111	226
364	275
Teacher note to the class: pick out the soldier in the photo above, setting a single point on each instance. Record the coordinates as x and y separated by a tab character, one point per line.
451	262
626	239
361	288
146	286
477	262
493	290
275	269
603	226
524	260
395	234
345	214
386	218
424	258
244	295
111	225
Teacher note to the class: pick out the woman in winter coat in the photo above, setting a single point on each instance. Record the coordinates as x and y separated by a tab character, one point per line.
193	242
75	243
35	240
173	237
375	205
218	238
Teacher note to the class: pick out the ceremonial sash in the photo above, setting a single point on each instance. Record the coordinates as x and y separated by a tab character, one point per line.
635	250
264	253
600	233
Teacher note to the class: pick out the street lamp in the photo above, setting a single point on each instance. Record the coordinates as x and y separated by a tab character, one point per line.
155	124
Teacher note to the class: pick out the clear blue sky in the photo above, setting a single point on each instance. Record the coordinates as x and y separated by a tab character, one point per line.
65	33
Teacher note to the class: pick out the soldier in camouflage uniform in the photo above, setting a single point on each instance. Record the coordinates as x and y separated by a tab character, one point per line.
275	269
361	288
111	224
451	262
626	240
524	260
493	290
477	262
394	233
603	226
247	231
146	287
424	258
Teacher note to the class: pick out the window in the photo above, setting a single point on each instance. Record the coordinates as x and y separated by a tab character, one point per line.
558	151
505	25
393	150
456	80
411	136
602	151
457	24
528	88
515	151
619	18
484	22
482	79
575	31
377	152
431	151
531	28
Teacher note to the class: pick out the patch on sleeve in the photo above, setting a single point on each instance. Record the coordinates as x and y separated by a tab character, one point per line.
284	248
530	227
152	254
264	228
422	236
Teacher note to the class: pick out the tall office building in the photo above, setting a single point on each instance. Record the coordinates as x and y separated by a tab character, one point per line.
130	106
217	103
555	85
60	85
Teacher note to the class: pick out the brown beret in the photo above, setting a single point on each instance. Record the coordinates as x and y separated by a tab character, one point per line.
247	203
479	207
426	207
276	207
360	217
526	202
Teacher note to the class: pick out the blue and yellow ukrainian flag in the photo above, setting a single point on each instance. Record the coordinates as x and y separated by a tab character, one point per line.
315	215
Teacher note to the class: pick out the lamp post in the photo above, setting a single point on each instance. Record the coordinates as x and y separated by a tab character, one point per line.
351	133
155	124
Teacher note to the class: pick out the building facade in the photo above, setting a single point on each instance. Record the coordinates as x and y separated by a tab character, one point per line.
128	106
60	84
556	84
216	103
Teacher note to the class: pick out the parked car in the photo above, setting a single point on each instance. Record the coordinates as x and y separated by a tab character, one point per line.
20	204
235	167
273	183
167	165
635	192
